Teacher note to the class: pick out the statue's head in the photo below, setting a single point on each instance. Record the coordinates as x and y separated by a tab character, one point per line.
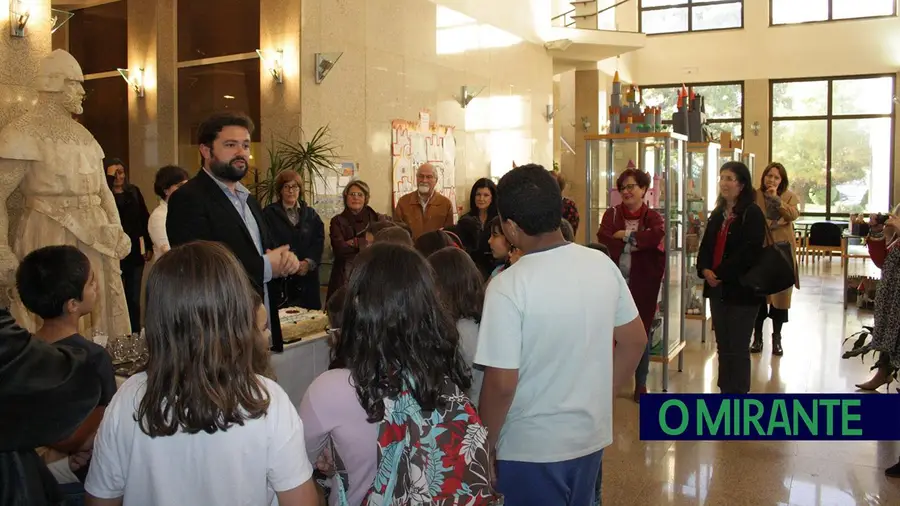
60	73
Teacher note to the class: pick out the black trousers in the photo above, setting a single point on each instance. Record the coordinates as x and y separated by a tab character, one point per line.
132	275
733	328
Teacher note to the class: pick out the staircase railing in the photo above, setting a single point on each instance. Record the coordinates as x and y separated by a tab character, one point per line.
567	19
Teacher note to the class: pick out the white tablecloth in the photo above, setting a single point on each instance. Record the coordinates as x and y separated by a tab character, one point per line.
297	366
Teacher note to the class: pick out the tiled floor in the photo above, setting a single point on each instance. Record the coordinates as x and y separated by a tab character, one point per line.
753	473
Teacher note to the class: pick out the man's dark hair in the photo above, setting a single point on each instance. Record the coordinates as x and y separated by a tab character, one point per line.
214	124
530	196
49	277
166	177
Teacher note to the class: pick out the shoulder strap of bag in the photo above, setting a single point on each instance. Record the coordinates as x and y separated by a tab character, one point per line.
765	225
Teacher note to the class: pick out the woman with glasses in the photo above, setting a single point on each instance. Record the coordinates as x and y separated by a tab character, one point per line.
781	208
292	221
633	233
733	241
348	232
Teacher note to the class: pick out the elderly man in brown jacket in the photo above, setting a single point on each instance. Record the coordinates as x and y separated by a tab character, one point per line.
424	210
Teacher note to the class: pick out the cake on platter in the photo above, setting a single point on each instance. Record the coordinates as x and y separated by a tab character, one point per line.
297	323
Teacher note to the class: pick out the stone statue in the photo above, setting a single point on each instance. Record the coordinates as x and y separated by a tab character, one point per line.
58	165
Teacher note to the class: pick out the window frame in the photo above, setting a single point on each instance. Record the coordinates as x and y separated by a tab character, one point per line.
829	117
830	18
691	86
690	15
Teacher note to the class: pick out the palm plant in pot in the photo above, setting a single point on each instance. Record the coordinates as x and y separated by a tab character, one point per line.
312	158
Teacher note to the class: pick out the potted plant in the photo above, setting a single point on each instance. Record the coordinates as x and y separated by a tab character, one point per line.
312	158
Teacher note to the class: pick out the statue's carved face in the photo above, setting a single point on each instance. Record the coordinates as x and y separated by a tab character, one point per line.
73	96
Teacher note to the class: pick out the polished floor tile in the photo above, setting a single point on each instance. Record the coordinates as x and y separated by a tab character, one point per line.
637	473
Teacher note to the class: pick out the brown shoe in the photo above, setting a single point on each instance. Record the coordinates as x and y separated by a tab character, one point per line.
882	377
637	393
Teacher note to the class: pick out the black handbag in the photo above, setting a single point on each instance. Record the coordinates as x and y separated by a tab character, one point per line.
773	271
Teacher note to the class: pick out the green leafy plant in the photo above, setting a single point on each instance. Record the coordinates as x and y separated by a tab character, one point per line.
312	158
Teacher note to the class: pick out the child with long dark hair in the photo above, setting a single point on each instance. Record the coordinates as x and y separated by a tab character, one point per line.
461	289
203	398
396	337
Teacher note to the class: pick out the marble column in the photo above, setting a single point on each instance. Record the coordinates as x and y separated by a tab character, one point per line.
280	102
152	119
587	105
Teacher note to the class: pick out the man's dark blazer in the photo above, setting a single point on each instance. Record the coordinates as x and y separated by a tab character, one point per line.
200	211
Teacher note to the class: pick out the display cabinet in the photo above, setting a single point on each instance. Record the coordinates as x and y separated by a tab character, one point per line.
729	155
701	191
749	160
663	156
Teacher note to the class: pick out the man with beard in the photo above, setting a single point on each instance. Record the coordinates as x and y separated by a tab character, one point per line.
215	206
424	210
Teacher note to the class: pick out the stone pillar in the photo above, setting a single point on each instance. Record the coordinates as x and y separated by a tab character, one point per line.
756	108
152	119
587	106
280	102
19	63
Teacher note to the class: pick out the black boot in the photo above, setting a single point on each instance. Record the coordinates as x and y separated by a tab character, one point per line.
757	345
893	471
776	345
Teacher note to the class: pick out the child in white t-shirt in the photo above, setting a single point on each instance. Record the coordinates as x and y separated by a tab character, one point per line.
204	423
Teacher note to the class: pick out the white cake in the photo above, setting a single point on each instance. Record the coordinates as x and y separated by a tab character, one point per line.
297	323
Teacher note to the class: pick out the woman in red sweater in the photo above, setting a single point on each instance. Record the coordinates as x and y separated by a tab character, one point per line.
633	233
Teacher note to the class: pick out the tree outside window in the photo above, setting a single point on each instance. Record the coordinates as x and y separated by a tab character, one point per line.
834	137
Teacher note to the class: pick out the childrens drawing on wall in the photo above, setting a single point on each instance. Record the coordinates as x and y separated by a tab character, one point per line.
416	142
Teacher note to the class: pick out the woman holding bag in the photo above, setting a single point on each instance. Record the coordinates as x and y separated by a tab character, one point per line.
780	206
730	247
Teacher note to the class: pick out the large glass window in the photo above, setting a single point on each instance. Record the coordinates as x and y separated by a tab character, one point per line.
97	37
834	137
724	103
676	16
218	70
785	12
211	28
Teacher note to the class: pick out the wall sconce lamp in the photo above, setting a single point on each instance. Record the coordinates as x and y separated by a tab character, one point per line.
135	79
755	128
465	96
58	18
585	123
273	61
19	14
324	63
550	113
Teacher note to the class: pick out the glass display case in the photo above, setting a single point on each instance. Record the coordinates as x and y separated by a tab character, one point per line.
729	155
701	190
749	160
663	156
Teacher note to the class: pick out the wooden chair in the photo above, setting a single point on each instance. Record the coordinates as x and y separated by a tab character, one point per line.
824	239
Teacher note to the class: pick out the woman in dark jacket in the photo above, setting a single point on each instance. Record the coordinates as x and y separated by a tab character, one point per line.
483	207
733	241
348	232
134	217
291	221
633	234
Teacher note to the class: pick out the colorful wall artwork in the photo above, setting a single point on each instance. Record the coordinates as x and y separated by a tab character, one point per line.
416	142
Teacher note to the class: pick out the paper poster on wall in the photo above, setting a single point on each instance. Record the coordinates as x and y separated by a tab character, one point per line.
416	142
330	190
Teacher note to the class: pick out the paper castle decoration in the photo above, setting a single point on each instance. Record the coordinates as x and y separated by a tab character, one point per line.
690	118
631	116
